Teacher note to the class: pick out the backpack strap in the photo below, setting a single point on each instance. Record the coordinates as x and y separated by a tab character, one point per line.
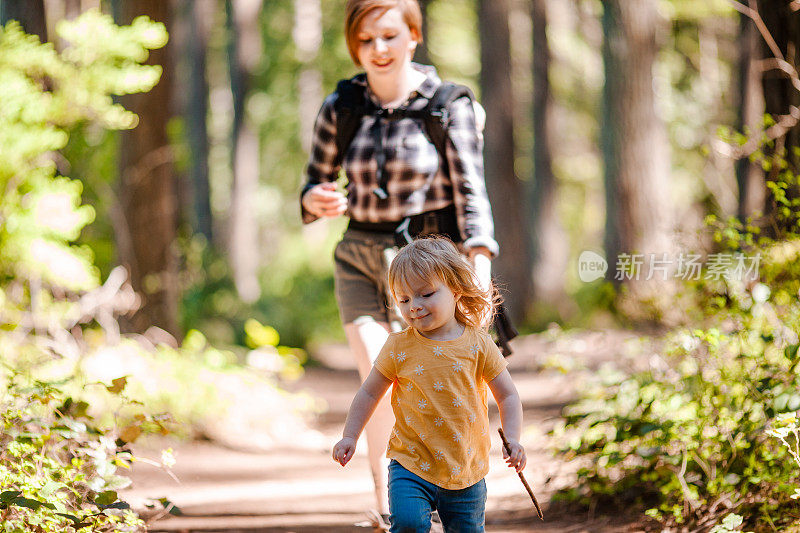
437	113
351	105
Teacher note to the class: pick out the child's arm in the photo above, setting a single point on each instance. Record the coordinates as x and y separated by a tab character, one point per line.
510	406
364	404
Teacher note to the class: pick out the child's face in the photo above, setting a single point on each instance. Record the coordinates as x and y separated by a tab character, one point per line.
385	43
428	306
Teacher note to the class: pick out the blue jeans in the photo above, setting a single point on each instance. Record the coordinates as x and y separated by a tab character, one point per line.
412	500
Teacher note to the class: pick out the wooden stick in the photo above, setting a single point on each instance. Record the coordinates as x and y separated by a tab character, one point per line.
522	476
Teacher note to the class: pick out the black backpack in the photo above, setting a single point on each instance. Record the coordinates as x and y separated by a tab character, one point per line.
352	105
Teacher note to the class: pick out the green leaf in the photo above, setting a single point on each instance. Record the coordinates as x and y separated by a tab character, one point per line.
29	503
49	488
104	499
647	428
117	505
781	402
117	483
75	519
170	507
791	351
9	495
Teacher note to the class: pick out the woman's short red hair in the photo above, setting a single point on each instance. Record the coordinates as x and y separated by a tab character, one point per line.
356	10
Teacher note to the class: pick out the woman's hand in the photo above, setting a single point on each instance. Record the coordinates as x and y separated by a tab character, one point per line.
344	450
323	200
483	266
481	259
517	458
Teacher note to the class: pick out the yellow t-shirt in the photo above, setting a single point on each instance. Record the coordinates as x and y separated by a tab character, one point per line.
439	399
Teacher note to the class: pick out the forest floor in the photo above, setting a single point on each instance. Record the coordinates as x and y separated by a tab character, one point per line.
296	486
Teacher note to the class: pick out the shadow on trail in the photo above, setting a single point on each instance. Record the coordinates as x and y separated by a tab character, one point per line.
563	519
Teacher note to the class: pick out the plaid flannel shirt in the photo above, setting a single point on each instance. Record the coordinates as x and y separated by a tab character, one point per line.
417	182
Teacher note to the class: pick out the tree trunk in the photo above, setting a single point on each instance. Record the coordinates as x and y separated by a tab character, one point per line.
244	51
199	15
513	266
635	147
779	94
718	169
72	8
147	190
423	53
548	242
30	15
750	105
781	98
308	38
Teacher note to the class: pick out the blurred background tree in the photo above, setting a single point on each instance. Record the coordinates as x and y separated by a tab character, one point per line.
146	187
504	187
636	154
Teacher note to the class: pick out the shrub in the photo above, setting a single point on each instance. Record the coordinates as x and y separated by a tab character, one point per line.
686	432
58	465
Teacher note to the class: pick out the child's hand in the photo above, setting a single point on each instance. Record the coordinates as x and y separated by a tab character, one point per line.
344	450
517	459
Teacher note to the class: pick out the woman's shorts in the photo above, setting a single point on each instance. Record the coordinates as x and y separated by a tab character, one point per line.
360	275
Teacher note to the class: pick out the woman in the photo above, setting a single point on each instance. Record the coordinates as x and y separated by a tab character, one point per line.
395	176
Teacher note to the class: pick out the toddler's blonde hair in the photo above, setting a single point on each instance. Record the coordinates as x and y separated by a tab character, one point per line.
432	258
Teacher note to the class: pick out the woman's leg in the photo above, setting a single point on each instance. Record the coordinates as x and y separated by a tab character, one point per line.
366	337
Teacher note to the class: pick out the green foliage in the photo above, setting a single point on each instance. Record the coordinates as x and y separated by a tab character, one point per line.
782	219
44	94
297	296
455	48
92	155
59	466
296	281
688	10
300	304
686	433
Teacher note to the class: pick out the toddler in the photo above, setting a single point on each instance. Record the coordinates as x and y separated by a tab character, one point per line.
439	368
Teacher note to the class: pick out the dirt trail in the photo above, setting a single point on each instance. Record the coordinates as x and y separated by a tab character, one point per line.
299	489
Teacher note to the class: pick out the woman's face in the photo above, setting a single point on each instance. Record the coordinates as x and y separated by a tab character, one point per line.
385	43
